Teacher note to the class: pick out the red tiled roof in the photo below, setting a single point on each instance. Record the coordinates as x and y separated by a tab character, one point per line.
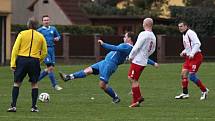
72	10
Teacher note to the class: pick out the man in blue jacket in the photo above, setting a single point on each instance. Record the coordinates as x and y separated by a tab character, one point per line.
51	34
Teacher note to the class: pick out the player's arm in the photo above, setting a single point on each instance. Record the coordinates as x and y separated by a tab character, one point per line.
183	53
196	43
56	35
153	63
121	47
43	50
15	51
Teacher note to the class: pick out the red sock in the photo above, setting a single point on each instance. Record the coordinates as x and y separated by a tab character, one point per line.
201	85
136	94
184	82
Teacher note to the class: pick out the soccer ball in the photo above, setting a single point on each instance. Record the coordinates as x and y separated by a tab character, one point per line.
44	97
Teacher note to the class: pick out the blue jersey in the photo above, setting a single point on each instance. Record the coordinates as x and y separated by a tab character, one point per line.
118	53
115	57
49	33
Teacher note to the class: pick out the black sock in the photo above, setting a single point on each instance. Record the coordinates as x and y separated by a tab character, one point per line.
185	90
34	95
15	94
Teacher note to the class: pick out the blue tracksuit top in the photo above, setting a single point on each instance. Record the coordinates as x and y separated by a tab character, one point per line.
118	53
49	33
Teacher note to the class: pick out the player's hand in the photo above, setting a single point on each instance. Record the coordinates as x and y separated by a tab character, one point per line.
13	68
191	56
130	60
156	65
100	42
56	39
182	54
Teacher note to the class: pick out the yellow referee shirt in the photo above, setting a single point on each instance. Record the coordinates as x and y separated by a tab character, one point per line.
29	43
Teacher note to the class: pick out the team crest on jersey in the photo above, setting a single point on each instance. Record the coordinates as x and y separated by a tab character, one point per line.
51	32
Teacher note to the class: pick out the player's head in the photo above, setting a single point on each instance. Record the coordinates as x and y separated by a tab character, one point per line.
129	37
182	26
32	23
46	20
147	23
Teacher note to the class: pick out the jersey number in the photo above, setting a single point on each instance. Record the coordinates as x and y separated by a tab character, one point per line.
150	46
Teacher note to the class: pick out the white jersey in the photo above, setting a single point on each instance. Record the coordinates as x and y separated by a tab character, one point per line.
191	43
144	47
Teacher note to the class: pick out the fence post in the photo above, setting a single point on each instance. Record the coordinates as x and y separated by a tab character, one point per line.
96	47
13	39
161	45
66	37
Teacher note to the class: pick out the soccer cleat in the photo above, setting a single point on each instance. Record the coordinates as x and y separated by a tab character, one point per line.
57	87
204	94
137	104
34	109
65	77
182	96
11	109
116	100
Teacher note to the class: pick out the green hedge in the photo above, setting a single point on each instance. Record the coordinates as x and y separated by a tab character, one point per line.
200	19
104	30
164	29
74	29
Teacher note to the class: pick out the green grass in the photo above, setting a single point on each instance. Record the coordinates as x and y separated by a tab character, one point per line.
73	103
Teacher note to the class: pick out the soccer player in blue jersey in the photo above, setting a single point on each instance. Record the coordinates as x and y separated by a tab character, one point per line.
51	34
108	66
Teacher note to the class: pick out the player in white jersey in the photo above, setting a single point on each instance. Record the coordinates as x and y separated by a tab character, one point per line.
144	47
193	59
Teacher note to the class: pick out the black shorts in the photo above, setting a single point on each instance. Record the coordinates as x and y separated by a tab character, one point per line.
27	65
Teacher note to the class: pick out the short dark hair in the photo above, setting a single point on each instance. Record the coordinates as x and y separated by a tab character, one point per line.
132	36
184	22
32	23
44	16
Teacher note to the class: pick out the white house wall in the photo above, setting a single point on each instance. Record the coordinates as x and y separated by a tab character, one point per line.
20	13
53	10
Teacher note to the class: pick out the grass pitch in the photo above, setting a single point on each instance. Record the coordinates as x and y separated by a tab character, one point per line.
74	102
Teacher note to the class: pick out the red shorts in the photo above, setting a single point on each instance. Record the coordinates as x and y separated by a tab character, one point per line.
193	64
135	71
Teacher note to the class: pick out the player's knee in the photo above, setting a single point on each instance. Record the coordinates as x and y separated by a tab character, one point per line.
34	85
192	77
130	78
88	70
184	75
102	85
17	84
50	69
135	83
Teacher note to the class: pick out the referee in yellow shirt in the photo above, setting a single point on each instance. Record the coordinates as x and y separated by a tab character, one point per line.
28	51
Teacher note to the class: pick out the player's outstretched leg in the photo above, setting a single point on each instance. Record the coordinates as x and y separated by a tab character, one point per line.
67	77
